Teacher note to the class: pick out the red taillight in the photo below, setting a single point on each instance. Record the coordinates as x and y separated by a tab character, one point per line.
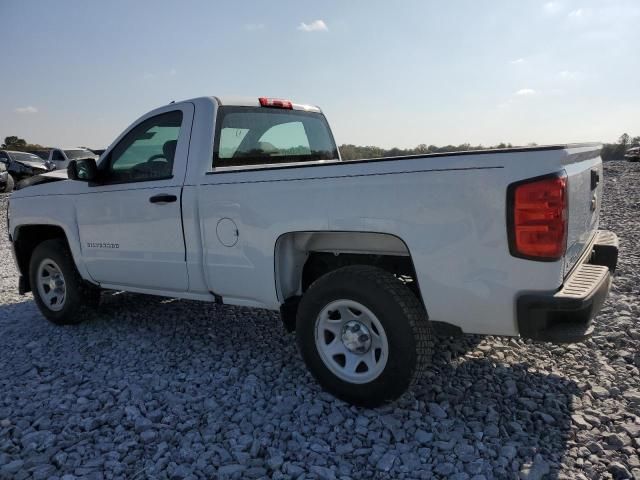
538	218
275	103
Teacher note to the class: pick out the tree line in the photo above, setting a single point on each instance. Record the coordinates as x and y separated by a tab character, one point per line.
616	151
355	152
610	151
20	144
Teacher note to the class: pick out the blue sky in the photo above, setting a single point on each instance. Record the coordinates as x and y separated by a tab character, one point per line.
385	73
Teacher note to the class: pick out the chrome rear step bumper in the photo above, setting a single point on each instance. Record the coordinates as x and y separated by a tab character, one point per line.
566	315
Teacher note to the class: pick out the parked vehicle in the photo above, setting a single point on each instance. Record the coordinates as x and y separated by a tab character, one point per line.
60	157
633	154
5	186
43	154
50	176
22	165
246	202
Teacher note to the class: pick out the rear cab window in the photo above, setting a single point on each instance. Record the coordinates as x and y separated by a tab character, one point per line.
254	136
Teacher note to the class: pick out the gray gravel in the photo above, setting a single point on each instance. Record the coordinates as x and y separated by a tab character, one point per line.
158	388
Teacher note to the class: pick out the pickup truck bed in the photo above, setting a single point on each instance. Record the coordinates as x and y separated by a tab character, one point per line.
453	220
490	242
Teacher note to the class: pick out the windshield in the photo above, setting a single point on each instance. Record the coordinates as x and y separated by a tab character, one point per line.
258	136
76	154
25	157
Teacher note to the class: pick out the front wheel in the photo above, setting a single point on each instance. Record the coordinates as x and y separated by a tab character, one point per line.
58	290
363	334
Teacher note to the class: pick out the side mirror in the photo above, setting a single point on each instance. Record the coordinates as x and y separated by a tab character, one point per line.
84	170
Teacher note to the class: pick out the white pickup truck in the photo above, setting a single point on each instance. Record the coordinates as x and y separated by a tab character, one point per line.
247	202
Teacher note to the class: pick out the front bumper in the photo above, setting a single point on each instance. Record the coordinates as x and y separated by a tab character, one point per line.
566	315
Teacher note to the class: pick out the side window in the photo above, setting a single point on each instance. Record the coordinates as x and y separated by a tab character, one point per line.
146	152
57	155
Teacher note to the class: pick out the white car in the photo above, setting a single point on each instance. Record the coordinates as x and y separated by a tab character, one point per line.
60	157
247	202
633	154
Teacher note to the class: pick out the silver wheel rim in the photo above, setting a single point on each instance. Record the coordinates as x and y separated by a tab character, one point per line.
351	341
51	285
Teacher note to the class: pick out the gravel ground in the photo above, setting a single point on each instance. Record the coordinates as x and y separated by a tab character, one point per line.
158	388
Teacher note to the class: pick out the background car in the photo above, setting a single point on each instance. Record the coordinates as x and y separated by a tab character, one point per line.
633	154
60	157
22	165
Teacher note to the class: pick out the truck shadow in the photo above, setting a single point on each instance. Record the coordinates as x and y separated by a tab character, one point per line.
229	372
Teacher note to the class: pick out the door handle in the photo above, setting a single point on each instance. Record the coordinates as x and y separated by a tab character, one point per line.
163	198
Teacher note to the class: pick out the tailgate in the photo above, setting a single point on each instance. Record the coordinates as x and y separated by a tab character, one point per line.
583	166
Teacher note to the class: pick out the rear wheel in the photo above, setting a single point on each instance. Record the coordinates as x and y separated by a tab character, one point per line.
58	290
363	334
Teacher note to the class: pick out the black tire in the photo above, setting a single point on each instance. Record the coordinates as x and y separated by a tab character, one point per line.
8	188
80	299
403	319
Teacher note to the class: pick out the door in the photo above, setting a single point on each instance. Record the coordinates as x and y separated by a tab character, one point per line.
130	222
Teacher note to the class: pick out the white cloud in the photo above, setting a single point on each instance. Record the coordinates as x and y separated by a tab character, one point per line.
173	72
315	26
252	27
148	76
585	16
517	61
552	7
568	75
27	109
526	92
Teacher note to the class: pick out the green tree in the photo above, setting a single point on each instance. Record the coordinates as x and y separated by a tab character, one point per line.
624	139
20	144
616	151
15	143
